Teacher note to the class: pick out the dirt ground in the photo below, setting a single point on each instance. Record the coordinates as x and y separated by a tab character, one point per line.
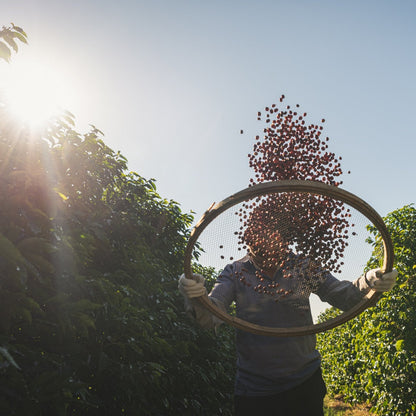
336	407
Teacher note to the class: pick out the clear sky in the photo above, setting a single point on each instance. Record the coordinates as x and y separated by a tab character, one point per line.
172	83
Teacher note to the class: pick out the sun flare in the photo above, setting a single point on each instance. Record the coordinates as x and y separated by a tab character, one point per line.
33	92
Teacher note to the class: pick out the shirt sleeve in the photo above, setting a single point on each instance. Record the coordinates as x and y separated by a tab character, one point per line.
224	290
342	294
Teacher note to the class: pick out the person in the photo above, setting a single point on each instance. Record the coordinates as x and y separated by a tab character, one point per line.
277	375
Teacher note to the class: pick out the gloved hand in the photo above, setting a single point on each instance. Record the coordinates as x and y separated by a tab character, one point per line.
192	288
381	282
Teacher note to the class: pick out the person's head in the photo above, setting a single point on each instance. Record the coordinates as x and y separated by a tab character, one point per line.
266	246
267	232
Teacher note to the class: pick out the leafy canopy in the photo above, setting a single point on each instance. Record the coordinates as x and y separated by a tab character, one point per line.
373	357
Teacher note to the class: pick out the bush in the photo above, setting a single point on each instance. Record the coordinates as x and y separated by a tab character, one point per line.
90	319
372	358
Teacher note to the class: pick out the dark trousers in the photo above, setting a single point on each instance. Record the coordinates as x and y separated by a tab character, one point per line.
303	400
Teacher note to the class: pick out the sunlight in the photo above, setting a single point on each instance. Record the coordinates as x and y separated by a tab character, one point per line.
32	91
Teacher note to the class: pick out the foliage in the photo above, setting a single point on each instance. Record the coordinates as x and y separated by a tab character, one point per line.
91	322
372	358
8	37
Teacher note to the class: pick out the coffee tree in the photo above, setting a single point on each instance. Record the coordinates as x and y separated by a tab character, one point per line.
372	358
91	322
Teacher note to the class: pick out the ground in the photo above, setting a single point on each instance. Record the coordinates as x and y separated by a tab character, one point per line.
336	407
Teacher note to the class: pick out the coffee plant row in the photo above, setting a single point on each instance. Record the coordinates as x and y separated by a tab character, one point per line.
372	358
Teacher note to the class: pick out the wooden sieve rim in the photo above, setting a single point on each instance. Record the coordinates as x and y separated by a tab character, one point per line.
313	187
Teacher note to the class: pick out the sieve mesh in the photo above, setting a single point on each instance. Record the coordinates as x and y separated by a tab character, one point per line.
303	235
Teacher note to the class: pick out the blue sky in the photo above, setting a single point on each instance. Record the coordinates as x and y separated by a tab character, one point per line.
172	83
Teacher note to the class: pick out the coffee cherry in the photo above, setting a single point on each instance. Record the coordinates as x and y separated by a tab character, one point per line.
317	226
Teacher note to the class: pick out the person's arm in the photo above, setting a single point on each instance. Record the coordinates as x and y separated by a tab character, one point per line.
344	294
222	295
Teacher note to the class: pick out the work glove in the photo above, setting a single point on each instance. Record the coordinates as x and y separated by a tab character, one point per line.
381	282
192	288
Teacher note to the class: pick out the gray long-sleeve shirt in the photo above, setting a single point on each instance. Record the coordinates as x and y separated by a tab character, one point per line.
269	365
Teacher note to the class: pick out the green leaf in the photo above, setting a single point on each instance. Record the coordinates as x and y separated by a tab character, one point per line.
5	52
20	36
9	252
63	197
19	29
8	357
400	345
11	42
